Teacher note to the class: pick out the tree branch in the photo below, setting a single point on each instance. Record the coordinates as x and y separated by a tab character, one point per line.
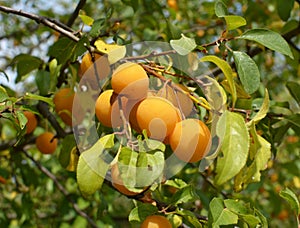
61	189
51	23
74	15
44	110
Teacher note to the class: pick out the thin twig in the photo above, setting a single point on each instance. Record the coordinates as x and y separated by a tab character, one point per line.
61	189
44	110
74	15
51	23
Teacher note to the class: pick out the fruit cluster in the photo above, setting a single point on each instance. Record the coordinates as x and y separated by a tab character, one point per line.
160	114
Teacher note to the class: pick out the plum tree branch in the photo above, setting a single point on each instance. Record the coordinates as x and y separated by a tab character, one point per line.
61	189
74	15
44	110
51	23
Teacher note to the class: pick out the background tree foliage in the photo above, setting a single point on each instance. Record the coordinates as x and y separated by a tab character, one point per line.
41	49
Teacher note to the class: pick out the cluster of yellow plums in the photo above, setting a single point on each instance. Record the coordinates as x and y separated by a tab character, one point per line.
161	114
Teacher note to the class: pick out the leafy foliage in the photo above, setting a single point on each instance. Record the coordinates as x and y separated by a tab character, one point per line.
241	71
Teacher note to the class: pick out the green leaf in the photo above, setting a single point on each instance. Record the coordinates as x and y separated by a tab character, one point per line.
21	119
294	89
234	22
25	64
292	199
184	45
284	8
86	19
235	146
97	27
31	96
177	183
244	212
294	119
260	153
226	69
91	169
68	143
140	169
220	215
150	167
189	218
3	94
42	80
184	195
221	8
247	70
139	213
262	111
269	39
67	50
263	219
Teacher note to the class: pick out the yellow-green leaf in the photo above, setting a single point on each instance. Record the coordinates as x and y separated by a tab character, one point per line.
226	69
234	22
91	168
262	111
115	52
235	146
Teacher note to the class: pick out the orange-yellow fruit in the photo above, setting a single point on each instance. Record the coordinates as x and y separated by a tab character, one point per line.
46	143
117	182
156	221
158	116
88	69
178	98
31	121
130	80
190	140
63	101
173	4
107	109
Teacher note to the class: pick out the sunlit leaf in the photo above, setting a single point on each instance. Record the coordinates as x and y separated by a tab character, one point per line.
73	161
235	146
3	94
220	215
247	70
184	195
91	168
234	22
259	155
31	96
139	213
226	69
86	19
189	218
264	108
269	39
292	199
115	52
184	45
140	169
